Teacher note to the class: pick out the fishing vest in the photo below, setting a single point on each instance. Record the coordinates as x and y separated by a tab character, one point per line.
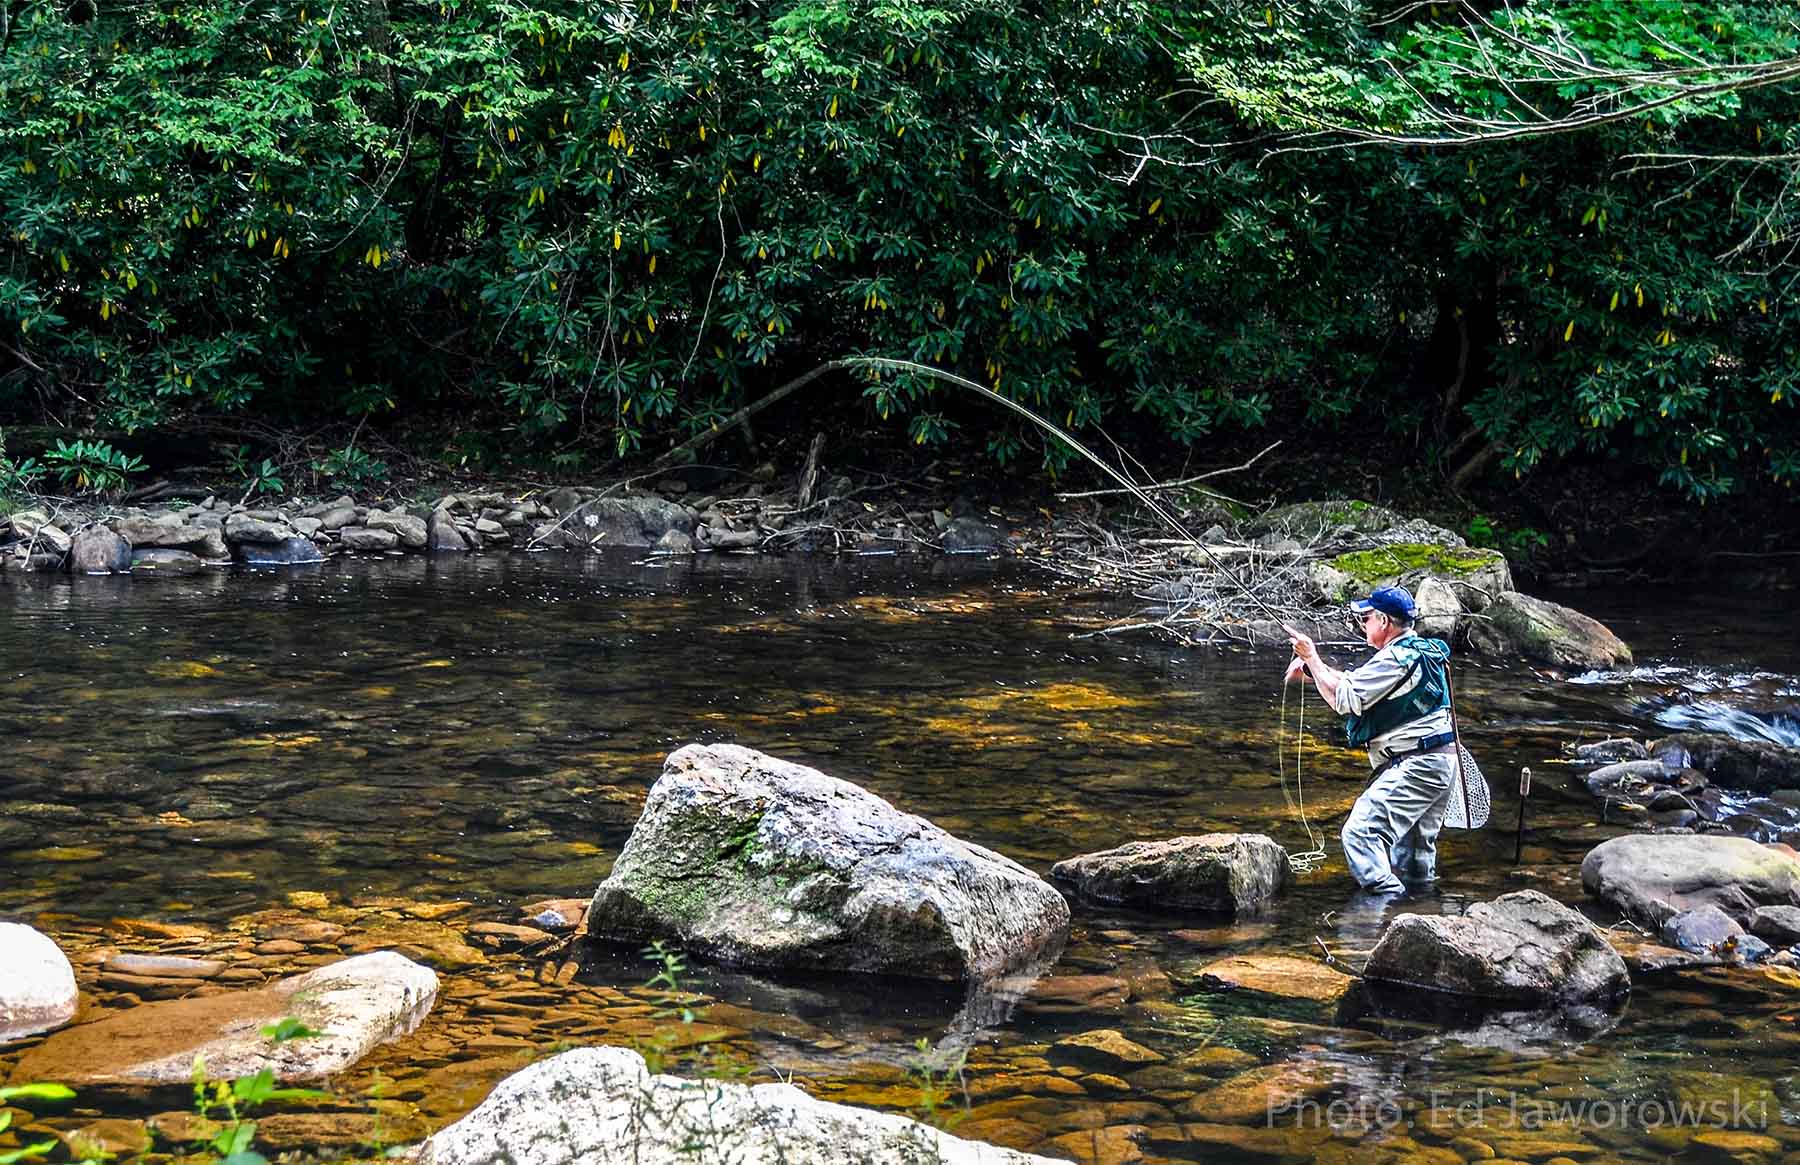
1430	694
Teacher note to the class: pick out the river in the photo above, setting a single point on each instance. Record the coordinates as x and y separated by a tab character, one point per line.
422	743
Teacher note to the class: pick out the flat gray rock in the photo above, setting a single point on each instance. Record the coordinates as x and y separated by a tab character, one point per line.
1650	877
593	1105
1233	873
1523	947
758	861
355	1005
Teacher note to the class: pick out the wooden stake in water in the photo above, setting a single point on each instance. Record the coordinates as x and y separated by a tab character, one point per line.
1524	792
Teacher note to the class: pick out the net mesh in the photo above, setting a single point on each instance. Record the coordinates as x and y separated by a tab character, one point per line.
1469	800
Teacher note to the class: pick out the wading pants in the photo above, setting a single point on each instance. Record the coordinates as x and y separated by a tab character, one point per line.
1391	833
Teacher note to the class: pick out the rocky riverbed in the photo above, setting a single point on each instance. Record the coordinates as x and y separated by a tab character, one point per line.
502	722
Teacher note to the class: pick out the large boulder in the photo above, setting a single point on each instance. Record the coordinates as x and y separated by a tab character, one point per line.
442	534
355	1005
603	1104
97	550
1756	765
1231	872
1516	624
37	985
754	860
1651	877
1523	947
634	522
1474	577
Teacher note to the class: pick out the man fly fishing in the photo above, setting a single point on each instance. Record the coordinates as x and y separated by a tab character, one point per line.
1398	705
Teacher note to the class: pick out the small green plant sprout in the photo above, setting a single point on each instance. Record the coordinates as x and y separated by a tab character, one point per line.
667	978
94	466
264	478
940	1080
30	1092
676	1020
235	1098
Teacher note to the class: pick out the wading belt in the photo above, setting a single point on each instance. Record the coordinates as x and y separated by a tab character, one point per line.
1430	744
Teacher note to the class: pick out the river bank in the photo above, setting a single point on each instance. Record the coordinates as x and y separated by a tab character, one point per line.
1207	567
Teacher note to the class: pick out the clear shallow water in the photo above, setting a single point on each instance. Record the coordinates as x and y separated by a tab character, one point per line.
357	737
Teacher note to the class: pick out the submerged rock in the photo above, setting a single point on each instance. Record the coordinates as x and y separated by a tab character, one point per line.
292	551
1523	947
1755	765
603	1104
354	1005
754	860
37	985
1282	976
1653	876
970	535
1103	1050
1227	872
164	561
1517	624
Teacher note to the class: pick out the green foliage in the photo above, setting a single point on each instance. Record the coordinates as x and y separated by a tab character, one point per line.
1483	530
351	467
230	1100
599	228
263	478
30	1092
94	466
1618	290
16	477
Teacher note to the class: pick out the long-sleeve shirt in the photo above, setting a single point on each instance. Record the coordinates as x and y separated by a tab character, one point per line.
1378	679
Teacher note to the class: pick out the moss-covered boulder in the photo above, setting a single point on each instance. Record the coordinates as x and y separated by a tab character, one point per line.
1516	624
1473	574
757	861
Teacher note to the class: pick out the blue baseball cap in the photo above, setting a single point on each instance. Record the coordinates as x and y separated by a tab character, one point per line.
1394	601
